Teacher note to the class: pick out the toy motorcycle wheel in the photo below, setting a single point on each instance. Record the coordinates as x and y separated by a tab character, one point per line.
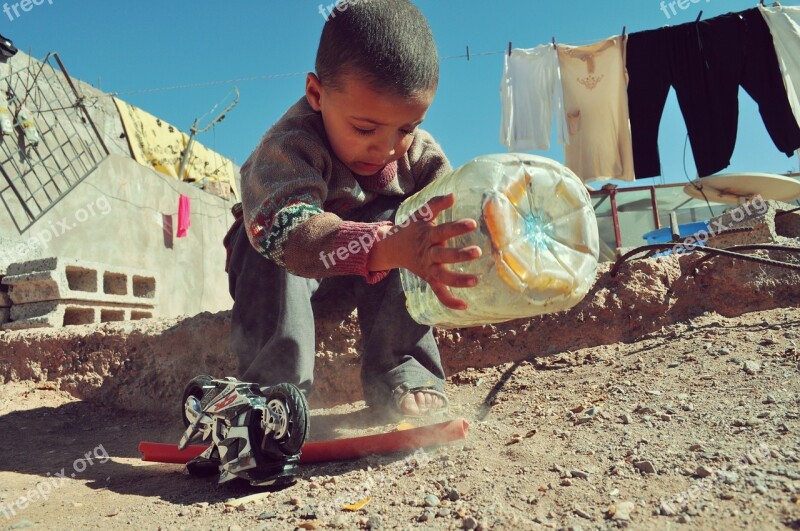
286	418
196	389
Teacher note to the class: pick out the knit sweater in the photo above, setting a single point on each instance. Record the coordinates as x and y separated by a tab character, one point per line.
295	192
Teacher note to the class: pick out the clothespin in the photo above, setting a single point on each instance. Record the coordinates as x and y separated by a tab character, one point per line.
699	16
467	53
509	48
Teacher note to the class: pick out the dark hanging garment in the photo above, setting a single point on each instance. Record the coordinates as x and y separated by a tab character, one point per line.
706	62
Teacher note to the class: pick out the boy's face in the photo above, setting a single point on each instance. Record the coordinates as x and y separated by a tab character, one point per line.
367	130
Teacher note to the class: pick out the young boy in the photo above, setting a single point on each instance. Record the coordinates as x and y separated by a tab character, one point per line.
319	194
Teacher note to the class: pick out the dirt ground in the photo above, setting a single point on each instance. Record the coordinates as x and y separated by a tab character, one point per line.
692	427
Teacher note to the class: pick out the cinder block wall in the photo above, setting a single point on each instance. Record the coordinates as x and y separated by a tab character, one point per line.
125	214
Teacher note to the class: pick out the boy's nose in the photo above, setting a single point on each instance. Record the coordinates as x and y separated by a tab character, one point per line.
387	147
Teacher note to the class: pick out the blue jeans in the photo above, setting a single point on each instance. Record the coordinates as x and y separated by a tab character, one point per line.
272	323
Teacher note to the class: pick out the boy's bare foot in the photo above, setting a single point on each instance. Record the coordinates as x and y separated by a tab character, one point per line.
420	403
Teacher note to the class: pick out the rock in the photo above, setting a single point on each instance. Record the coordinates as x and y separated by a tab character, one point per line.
469	523
309	512
444	512
666	509
267	515
431	501
684	519
751	367
583	514
566	482
724	352
622	511
625	419
729	478
645	466
374	522
425	516
579	474
22	524
703	472
453	494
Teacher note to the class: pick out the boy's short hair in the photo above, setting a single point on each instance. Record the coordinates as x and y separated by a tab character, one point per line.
386	43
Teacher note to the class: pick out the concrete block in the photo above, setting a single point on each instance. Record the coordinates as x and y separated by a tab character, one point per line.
5	300
54	279
12	251
54	314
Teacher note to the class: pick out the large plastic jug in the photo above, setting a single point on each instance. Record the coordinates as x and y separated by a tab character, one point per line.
538	233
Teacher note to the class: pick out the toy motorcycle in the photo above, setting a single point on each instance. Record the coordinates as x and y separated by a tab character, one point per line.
254	434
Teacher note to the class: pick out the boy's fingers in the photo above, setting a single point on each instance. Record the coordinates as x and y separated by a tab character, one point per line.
446	298
445	277
445	231
438	204
448	255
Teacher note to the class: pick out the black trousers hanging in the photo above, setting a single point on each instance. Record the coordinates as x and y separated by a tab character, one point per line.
706	62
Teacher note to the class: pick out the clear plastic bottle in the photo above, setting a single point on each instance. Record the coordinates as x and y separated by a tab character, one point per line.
538	233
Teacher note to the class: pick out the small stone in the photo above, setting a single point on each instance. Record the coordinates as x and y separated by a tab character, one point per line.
374	522
674	364
583	514
453	495
622	511
684	519
645	466
22	524
444	512
666	509
469	523
267	515
614	493
294	500
726	496
751	367
695	447
566	482
761	488
729	478
308	513
540	520
625	419
703	472
432	501
579	474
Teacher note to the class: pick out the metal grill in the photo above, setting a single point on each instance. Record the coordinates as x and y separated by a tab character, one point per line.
51	144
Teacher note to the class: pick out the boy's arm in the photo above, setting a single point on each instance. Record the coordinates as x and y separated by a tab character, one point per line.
283	190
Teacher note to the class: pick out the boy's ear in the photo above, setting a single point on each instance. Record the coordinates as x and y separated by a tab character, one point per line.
313	91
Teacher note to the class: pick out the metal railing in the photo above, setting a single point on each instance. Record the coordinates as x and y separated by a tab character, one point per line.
50	144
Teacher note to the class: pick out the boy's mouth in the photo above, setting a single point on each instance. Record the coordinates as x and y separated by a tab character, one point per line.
369	168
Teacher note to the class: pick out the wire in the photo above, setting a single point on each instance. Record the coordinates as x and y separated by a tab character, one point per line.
697	187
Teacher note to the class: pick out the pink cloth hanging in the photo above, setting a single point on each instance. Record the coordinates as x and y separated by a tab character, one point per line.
183	216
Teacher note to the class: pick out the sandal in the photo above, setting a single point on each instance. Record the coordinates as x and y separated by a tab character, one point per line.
402	392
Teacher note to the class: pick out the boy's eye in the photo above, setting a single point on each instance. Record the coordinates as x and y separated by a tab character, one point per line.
407	132
363	132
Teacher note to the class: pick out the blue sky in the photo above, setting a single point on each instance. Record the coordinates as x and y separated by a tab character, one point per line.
130	46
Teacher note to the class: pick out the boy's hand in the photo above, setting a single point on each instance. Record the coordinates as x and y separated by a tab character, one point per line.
421	247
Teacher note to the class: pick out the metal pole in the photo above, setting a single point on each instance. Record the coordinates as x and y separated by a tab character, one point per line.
79	102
